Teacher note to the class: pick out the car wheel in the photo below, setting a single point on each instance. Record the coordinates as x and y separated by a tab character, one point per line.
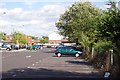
77	55
59	54
8	49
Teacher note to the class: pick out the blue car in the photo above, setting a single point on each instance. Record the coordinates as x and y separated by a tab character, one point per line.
37	47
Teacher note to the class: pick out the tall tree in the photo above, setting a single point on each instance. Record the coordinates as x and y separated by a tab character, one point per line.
110	29
110	25
19	38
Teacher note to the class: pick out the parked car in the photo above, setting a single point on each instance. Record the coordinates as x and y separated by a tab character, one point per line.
6	46
37	47
16	46
67	50
33	47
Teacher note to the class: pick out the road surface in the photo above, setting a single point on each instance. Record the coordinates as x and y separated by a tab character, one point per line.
44	64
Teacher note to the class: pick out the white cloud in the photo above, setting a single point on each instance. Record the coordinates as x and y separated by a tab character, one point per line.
16	11
37	22
104	7
55	36
3	23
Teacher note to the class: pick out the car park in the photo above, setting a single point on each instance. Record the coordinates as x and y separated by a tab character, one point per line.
67	50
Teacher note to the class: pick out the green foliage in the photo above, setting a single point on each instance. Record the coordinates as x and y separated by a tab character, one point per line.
2	36
19	38
45	39
110	25
102	46
34	38
109	28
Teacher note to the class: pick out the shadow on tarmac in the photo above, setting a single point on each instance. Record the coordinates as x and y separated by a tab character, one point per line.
80	62
43	73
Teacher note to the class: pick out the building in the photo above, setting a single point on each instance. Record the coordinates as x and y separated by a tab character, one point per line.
55	38
29	39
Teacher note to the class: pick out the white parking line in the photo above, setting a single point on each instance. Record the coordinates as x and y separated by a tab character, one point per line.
28	56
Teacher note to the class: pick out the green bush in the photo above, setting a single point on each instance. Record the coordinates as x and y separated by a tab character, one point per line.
102	46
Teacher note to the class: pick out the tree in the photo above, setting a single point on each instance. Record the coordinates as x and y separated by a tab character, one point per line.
79	24
109	29
2	36
35	38
19	38
110	23
45	39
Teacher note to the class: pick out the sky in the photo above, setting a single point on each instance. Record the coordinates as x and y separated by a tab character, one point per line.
35	17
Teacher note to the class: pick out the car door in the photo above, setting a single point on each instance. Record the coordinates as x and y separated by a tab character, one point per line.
69	50
63	50
73	50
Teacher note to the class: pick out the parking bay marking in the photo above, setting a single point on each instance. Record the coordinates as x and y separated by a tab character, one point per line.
28	56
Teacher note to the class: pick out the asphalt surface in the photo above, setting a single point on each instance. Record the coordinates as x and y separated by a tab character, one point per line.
44	64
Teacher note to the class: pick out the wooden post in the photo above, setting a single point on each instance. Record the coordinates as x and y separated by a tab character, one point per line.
111	57
92	52
108	62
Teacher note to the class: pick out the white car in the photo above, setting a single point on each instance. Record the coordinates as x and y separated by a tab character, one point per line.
5	47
